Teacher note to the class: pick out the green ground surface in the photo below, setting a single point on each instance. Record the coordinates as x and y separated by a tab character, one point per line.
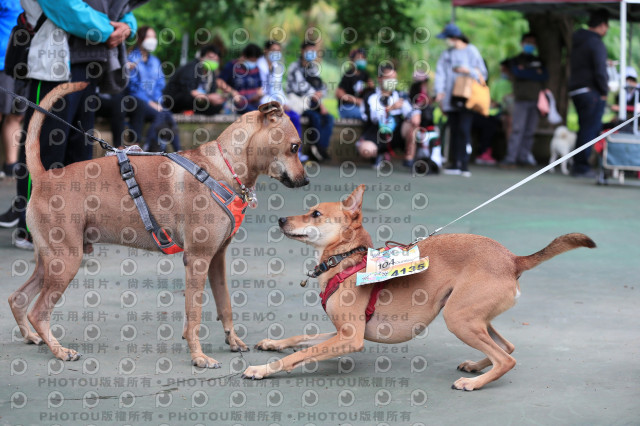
575	327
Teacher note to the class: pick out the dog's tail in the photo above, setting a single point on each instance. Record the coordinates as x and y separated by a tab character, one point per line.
32	146
559	245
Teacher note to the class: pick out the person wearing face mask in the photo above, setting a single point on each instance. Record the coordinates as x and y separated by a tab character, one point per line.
355	86
271	66
243	75
305	90
146	84
460	58
391	121
630	89
194	86
528	75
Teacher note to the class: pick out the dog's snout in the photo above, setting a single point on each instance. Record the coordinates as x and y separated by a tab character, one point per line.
305	182
282	221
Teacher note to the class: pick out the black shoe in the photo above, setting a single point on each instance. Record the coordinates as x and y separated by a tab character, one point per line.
10	169
10	218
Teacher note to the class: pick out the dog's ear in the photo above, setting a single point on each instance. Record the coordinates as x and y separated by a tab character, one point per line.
271	110
353	203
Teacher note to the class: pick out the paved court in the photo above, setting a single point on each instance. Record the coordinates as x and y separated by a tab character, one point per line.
575	327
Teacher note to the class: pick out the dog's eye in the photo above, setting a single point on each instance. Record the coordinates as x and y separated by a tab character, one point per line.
316	213
294	148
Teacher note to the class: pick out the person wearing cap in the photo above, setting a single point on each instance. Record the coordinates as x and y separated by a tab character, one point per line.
305	90
528	75
588	85
356	84
460	58
631	89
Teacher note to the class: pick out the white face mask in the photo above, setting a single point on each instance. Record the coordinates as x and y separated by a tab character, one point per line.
149	44
451	42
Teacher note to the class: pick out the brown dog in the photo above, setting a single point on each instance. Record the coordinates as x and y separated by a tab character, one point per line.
472	279
92	205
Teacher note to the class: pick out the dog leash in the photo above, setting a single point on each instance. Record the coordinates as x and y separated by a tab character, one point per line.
104	144
536	174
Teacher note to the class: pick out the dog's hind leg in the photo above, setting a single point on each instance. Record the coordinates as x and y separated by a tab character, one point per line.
20	300
218	283
470	323
554	157
58	273
303	341
196	268
472	367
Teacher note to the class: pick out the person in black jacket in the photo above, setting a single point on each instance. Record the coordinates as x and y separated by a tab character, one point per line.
194	86
588	85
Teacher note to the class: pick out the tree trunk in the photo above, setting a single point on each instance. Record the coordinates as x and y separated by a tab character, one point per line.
553	33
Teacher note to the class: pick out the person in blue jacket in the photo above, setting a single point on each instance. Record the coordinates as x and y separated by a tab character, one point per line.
146	85
79	41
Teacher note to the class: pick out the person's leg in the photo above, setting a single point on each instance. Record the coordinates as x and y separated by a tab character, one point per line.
312	134
590	108
295	120
453	122
172	128
326	130
37	91
531	124
78	147
408	131
518	124
136	121
11	129
466	120
350	111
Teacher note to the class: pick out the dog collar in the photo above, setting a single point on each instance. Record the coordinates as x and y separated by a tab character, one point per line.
248	194
331	262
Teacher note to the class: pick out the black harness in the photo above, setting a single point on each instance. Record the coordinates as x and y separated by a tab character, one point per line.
220	192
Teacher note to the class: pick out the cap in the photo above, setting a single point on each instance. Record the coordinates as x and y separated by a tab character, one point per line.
631	73
450	30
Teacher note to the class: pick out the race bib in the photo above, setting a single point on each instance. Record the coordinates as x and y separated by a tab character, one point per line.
394	271
382	259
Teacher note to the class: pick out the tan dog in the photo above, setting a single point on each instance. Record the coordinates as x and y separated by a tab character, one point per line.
100	210
471	278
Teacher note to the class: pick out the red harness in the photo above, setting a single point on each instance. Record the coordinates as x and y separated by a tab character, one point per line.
338	278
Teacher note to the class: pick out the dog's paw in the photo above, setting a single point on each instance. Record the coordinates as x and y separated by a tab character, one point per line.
204	361
68	354
465	383
255	373
268	345
235	343
33	338
469	367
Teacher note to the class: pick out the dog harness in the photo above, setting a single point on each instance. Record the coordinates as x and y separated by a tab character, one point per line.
232	204
338	278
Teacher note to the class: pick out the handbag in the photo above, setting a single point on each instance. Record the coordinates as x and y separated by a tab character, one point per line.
462	87
480	98
16	58
543	103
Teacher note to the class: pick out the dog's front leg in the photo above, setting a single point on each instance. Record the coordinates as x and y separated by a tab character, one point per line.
218	282
349	338
196	269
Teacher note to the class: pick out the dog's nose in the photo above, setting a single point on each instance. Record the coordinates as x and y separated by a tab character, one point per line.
282	221
304	183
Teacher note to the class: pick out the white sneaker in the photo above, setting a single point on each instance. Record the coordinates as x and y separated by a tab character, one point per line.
23	243
452	171
465	173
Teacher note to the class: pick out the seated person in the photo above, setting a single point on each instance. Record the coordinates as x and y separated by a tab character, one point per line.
243	75
355	86
391	121
305	90
146	83
194	86
631	88
271	69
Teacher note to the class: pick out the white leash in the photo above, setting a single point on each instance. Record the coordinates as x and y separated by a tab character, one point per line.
541	171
